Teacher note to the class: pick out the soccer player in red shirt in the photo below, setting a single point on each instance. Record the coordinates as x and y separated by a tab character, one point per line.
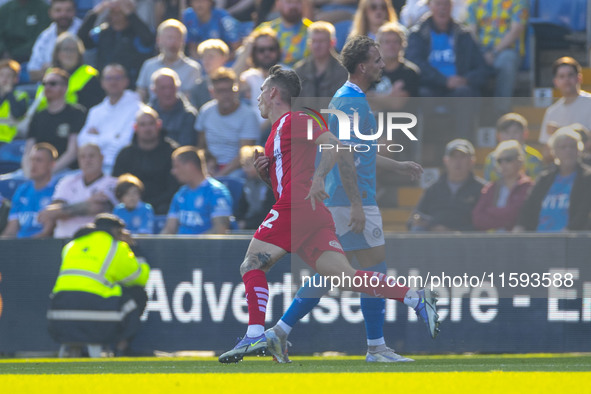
298	222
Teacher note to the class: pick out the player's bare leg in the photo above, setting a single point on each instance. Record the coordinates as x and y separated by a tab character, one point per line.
336	265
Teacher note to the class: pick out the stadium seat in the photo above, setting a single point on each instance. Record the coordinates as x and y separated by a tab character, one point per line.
12	151
159	223
246	28
342	32
571	14
9	186
83	6
235	186
526	62
409	196
553	21
394	219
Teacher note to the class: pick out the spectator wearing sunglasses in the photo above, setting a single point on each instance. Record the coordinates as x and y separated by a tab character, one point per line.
501	201
58	124
265	53
513	126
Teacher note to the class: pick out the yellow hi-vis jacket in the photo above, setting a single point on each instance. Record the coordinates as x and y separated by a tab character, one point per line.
99	264
8	125
78	80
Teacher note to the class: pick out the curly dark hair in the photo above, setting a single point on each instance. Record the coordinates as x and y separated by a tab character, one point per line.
287	81
356	51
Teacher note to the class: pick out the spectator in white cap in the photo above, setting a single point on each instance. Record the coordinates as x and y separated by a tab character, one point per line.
447	204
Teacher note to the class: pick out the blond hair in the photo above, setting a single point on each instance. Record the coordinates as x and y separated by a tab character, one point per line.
126	182
563	133
392	27
146	110
224	74
322	27
512	147
360	21
213	44
172	24
165	71
511	119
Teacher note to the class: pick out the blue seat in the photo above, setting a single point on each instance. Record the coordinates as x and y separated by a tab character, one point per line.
235	187
527	53
12	151
554	20
159	223
83	6
571	14
342	32
245	28
9	186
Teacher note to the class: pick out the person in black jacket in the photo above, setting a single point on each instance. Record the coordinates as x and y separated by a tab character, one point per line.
561	198
124	40
149	158
450	60
447	204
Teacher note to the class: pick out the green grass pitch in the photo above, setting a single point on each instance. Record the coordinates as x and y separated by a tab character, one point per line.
351	364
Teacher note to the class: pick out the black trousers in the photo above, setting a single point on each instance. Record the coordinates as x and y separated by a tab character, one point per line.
79	317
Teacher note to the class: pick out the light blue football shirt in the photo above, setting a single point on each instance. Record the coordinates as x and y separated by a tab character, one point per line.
27	202
139	220
195	208
350	99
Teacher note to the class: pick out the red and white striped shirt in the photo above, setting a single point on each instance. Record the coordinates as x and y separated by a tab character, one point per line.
292	157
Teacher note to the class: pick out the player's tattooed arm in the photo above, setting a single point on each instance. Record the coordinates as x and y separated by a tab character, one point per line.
328	158
348	174
328	154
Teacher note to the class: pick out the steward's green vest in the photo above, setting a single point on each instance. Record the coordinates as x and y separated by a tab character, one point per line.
7	123
99	264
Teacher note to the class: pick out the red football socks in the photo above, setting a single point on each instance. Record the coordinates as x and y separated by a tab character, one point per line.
257	295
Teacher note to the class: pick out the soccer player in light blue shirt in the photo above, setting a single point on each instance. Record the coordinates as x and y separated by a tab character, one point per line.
202	204
354	209
33	196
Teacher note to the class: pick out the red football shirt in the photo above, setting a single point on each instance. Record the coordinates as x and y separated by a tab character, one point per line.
292	157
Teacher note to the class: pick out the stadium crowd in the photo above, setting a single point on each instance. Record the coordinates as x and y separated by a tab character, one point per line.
148	109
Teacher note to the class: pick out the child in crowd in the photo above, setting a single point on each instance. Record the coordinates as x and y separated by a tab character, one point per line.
137	215
257	198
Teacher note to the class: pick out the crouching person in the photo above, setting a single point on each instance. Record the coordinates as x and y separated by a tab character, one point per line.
99	294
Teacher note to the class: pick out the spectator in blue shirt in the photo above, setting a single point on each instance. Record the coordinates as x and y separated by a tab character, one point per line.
202	204
449	58
204	21
137	215
560	199
33	196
